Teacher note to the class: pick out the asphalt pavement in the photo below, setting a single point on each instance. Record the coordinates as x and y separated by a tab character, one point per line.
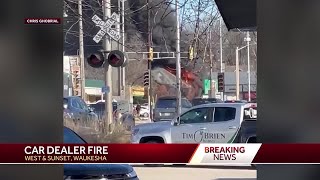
195	173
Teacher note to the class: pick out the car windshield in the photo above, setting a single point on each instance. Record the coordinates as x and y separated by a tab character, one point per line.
166	103
70	137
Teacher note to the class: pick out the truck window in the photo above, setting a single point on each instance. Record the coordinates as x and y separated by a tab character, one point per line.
200	115
224	114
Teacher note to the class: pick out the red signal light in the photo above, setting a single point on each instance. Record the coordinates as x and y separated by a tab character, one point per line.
117	58
95	60
114	59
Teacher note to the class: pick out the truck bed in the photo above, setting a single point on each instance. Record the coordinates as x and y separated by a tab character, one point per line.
247	132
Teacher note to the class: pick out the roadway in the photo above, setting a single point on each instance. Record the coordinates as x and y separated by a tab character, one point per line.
195	173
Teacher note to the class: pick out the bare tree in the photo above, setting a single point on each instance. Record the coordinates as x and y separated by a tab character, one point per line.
198	18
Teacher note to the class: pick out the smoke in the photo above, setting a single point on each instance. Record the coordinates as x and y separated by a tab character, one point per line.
162	22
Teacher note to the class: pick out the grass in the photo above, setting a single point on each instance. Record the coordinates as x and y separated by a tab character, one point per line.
93	131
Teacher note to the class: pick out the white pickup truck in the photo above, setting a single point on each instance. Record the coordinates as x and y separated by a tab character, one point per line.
208	123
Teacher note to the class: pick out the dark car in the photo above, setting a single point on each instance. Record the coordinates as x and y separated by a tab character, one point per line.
165	108
76	109
94	171
199	101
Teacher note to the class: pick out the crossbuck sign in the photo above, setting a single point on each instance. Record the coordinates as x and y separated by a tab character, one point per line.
105	27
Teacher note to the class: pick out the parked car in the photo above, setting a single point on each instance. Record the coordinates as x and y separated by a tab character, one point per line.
94	171
126	119
99	108
165	108
199	101
144	111
75	108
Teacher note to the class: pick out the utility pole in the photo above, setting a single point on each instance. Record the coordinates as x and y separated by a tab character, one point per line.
237	74
178	60
221	62
81	51
212	89
248	39
107	48
149	58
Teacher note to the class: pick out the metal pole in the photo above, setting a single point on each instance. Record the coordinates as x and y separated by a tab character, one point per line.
237	74
81	51
123	69
178	60
108	73
211	66
149	60
220	34
119	46
249	73
221	61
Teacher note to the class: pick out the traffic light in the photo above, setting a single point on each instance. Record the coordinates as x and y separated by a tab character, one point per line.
190	53
96	60
117	58
76	80
220	82
146	79
150	55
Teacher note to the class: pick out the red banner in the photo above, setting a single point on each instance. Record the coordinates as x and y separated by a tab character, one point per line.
159	153
97	153
288	153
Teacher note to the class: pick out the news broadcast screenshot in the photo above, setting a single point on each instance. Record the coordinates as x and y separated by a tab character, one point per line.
158	90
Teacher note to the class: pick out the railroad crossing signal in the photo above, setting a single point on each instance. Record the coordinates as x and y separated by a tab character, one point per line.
115	58
220	82
146	79
105	27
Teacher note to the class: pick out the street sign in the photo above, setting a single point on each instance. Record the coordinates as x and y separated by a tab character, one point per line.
206	85
105	27
105	89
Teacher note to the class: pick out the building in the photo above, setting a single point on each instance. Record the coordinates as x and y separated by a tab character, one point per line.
93	90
